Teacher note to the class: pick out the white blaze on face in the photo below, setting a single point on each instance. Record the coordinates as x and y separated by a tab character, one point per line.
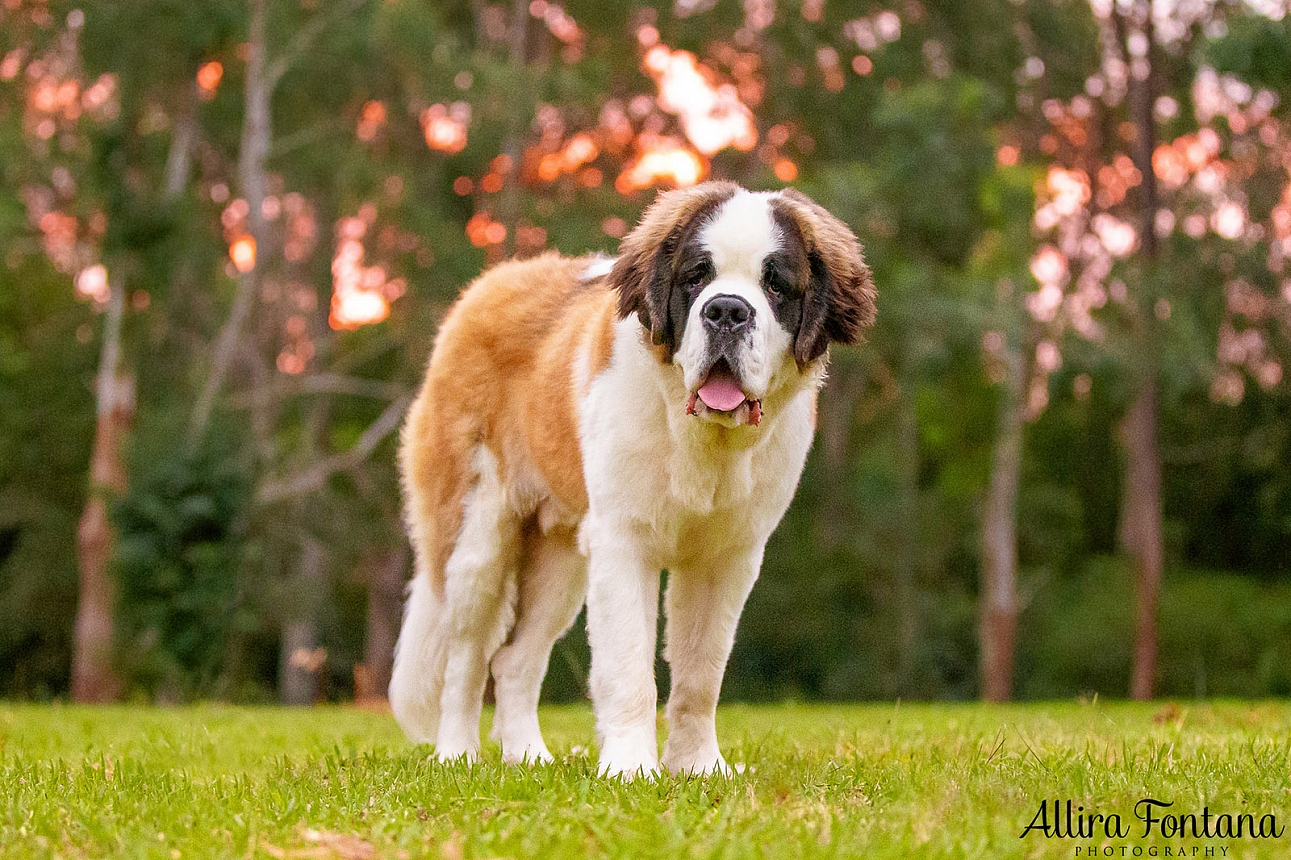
738	237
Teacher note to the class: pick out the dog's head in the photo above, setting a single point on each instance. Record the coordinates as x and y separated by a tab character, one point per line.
743	291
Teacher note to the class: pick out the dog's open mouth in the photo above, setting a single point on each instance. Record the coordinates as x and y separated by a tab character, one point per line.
722	393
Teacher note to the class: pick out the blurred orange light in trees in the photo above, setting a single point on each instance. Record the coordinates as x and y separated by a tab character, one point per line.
549	167
662	159
483	231
580	150
786	170
371	120
208	77
358	308
1007	155
712	114
445	127
92	283
243	253
291	363
1170	166
12	64
1069	189
463	185
361	295
558	21
1118	237
1229	220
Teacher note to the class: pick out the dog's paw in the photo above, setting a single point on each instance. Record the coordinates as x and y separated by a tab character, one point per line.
699	766
531	753
448	753
628	772
631	754
622	762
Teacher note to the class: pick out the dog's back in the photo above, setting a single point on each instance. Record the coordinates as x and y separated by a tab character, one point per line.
488	451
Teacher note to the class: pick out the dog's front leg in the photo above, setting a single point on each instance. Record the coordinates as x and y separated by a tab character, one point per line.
622	614
703	610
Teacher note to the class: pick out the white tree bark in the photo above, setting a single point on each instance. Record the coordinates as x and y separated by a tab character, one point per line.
257	136
93	678
998	608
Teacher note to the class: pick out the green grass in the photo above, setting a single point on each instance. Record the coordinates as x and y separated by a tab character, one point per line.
880	781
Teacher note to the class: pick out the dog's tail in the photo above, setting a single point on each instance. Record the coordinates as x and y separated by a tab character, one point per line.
417	679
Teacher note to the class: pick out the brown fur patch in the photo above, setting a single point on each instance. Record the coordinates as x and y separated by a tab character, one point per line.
839	303
501	376
643	275
601	338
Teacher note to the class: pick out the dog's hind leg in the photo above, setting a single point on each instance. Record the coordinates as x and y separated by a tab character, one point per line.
553	587
479	606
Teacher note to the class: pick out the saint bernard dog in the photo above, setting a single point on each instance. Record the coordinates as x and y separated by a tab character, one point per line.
586	424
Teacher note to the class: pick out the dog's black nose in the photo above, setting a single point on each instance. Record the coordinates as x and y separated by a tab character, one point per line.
727	313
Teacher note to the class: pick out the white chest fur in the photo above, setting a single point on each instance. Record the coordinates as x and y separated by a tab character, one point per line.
688	488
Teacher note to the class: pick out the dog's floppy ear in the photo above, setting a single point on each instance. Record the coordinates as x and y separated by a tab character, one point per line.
643	273
839	301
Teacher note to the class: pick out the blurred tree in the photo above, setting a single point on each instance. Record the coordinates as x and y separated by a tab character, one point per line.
290	195
93	677
1140	532
1119	236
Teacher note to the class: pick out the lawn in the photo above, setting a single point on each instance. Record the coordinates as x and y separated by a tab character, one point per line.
874	781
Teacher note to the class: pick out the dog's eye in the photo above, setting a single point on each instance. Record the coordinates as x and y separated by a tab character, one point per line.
773	283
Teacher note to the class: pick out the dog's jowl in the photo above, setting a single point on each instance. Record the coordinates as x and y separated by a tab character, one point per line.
585	424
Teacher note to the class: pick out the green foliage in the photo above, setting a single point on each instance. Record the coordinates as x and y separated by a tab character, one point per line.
181	549
1225	635
45	370
1255	49
943	123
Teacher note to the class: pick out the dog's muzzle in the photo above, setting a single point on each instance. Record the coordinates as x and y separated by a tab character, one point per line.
727	321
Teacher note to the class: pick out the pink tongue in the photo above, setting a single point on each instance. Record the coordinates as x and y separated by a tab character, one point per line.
721	393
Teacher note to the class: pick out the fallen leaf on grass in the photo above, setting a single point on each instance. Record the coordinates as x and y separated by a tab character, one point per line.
1171	713
327	845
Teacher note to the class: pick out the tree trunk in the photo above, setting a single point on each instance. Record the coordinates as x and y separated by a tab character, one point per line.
301	661
93	678
1140	530
998	610
179	160
835	410
908	554
386	579
257	135
1141	533
513	143
298	666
